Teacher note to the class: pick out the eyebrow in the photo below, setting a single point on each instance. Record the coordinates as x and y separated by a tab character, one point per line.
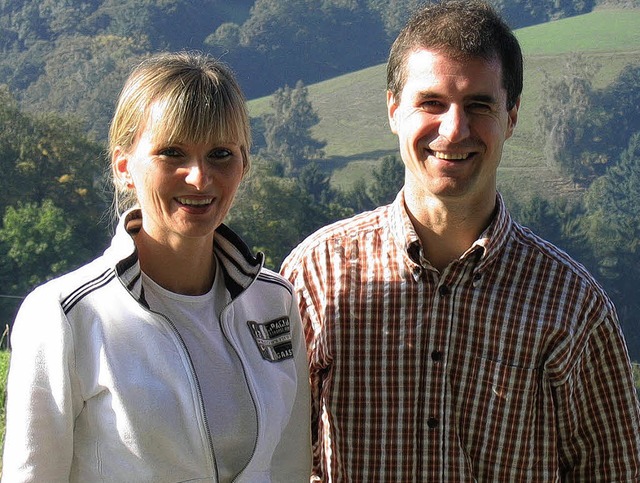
485	98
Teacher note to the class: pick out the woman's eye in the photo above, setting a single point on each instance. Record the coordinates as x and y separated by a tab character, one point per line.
221	153
170	152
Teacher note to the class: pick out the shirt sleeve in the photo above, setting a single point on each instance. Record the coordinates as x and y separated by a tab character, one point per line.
307	279
40	395
598	411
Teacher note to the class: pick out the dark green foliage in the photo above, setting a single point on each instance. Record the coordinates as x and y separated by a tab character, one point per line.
587	128
52	200
274	213
613	203
565	116
387	180
309	39
270	43
613	225
520	13
602	232
558	221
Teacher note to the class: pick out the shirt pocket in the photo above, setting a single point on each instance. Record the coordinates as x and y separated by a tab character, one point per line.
499	415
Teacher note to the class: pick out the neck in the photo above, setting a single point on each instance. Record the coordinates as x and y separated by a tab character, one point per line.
186	268
448	229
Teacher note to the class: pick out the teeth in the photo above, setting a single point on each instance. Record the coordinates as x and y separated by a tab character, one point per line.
195	202
450	156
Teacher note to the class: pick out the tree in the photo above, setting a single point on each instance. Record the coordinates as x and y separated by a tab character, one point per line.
618	109
613	223
83	76
43	159
521	13
564	117
311	40
587	128
38	238
273	214
316	183
387	180
288	129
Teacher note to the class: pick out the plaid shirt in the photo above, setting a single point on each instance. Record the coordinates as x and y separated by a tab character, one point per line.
508	366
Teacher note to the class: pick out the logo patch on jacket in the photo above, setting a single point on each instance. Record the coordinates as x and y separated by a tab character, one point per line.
273	338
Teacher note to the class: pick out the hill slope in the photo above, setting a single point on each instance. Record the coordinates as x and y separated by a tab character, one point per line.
353	112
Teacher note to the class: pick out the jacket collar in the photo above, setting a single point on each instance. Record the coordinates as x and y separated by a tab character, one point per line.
239	266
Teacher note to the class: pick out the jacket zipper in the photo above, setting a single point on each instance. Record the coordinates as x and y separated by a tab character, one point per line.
247	381
175	331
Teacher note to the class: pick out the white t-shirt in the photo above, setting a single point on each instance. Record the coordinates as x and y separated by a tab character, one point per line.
228	404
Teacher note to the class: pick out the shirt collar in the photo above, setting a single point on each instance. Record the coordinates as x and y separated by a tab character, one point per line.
402	230
496	235
490	242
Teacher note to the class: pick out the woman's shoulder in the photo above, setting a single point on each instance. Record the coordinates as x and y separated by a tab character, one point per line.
274	280
62	288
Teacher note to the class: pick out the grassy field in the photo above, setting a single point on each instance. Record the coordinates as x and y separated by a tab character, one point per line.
353	112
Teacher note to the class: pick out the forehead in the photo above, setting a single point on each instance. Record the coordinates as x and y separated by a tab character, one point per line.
167	121
446	75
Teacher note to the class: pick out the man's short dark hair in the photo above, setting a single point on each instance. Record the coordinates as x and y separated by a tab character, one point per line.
461	29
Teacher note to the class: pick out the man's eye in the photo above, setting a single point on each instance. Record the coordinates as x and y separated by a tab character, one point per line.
479	107
432	106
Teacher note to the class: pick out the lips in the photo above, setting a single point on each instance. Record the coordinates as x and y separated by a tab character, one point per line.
197	202
450	156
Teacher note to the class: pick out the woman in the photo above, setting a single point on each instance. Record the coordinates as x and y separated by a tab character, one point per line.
175	356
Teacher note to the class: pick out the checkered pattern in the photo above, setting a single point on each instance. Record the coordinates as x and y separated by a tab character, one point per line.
509	366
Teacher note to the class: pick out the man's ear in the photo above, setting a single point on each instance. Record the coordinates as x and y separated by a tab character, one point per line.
513	118
392	107
120	166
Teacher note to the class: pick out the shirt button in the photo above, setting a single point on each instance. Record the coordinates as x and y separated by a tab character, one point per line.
436	356
432	423
444	290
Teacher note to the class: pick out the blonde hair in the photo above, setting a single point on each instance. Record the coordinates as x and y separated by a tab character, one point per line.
202	101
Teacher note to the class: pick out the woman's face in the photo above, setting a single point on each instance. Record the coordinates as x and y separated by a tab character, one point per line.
184	190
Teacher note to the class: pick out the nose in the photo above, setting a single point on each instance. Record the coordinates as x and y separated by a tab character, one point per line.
198	175
454	124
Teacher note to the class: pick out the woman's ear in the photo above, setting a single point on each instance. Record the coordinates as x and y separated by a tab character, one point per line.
120	165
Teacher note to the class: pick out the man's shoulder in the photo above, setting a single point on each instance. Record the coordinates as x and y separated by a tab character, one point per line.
338	234
349	228
557	259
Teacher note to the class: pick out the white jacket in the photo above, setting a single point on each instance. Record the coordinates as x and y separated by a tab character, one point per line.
102	389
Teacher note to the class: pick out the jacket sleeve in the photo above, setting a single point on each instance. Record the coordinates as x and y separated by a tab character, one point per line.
40	393
598	411
292	457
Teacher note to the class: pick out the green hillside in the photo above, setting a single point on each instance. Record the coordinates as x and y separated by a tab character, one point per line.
353	112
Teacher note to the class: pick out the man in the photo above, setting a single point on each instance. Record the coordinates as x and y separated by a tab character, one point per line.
447	342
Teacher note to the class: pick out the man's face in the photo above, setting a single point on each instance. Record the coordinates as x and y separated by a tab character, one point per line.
451	122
